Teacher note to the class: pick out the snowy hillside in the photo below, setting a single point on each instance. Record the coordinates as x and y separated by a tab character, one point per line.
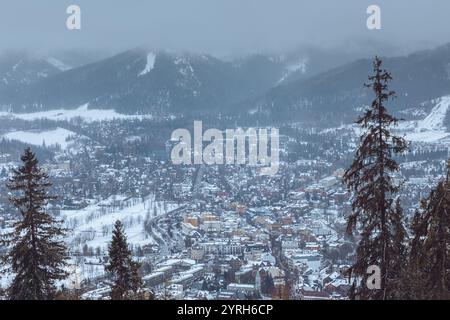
431	128
93	225
151	57
435	120
49	138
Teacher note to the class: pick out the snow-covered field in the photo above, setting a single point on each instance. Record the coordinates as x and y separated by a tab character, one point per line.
87	115
58	136
429	136
93	224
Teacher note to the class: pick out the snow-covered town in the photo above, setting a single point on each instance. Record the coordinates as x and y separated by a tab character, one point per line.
224	150
214	232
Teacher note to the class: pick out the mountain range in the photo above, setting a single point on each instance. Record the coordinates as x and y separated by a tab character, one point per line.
307	85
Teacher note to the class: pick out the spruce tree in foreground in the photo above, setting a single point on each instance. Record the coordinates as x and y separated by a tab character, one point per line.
430	247
37	256
124	270
375	215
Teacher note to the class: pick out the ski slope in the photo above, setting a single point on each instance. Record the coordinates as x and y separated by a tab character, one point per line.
435	120
432	129
151	57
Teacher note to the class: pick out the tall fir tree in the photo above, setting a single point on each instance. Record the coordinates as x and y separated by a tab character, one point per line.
430	246
38	256
375	215
124	270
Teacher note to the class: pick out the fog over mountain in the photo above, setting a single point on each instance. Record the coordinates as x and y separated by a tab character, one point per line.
224	27
323	86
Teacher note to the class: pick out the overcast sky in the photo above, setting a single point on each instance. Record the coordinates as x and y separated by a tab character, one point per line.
220	26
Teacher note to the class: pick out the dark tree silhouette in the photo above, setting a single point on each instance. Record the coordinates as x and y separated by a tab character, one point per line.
430	256
37	256
375	215
127	281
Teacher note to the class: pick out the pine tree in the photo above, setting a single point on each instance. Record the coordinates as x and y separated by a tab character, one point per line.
375	214
430	256
127	281
38	256
399	264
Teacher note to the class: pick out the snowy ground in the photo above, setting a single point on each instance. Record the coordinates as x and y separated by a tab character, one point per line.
431	129
151	57
434	121
58	136
87	115
93	224
429	136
